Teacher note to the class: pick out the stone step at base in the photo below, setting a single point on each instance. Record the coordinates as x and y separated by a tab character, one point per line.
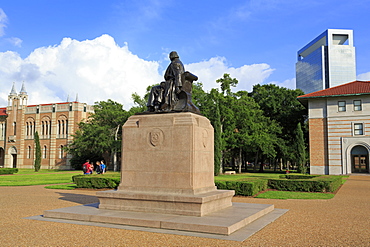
223	222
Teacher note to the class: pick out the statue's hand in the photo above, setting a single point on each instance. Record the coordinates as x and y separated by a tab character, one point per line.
177	90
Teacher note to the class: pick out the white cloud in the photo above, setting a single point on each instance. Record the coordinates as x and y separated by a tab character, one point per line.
95	69
247	75
290	83
364	76
99	69
3	21
15	41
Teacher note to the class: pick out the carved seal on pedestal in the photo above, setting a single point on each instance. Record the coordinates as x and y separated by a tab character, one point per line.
156	137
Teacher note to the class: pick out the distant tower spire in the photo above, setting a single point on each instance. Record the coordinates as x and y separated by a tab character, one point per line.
23	95
13	92
68	98
13	95
23	90
76	97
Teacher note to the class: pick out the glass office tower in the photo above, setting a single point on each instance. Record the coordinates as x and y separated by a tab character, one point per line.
327	61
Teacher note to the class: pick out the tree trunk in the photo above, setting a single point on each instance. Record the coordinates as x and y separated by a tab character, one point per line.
261	167
240	161
115	151
255	162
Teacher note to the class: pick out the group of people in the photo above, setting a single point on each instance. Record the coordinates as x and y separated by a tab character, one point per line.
88	167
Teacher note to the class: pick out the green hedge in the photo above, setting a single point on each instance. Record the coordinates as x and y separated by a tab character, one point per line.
98	181
316	184
297	176
243	188
8	170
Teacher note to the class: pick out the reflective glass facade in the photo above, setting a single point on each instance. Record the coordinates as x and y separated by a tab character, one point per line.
327	61
310	72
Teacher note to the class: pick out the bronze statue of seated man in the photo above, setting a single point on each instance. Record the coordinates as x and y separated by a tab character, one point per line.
174	94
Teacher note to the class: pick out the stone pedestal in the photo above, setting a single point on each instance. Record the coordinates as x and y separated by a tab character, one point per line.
167	183
167	167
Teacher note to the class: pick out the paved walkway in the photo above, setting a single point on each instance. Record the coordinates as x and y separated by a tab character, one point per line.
341	221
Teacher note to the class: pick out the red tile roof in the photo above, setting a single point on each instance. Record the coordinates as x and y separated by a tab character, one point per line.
3	111
351	88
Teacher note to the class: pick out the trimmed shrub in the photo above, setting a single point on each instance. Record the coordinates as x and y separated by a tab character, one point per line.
316	184
297	176
243	188
99	181
8	170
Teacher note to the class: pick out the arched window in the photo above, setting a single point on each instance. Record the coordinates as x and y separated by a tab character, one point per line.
29	152
15	128
30	128
1	131
44	152
61	152
62	128
42	128
45	127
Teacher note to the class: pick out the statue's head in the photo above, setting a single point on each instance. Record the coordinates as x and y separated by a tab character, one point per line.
173	55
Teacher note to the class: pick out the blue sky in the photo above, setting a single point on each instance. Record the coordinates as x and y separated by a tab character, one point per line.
110	49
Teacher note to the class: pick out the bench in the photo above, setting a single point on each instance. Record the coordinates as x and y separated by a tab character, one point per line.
230	172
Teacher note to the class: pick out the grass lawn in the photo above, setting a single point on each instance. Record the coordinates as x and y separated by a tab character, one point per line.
63	180
62	186
246	176
37	179
23	171
294	195
27	177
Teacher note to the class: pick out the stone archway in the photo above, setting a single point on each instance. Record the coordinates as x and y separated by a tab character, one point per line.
359	159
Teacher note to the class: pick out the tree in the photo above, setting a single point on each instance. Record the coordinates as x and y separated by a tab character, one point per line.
217	143
300	154
100	135
281	105
37	163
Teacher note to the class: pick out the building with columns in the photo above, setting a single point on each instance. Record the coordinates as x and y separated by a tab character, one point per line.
54	122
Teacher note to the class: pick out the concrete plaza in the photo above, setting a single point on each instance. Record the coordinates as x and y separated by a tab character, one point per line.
341	221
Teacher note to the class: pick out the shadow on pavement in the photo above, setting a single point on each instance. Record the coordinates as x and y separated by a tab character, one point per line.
78	198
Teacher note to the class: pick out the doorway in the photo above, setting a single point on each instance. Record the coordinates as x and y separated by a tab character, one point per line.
2	157
14	160
360	159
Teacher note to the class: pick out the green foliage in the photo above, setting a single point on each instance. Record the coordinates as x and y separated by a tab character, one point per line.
37	163
243	188
100	135
298	176
37	178
217	142
62	187
4	171
294	195
98	181
317	184
300	150
281	105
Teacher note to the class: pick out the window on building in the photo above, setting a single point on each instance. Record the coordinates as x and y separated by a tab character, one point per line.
357	106
358	129
341	106
15	128
29	150
61	152
44	152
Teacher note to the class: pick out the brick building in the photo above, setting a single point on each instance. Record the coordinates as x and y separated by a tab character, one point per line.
339	124
55	123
